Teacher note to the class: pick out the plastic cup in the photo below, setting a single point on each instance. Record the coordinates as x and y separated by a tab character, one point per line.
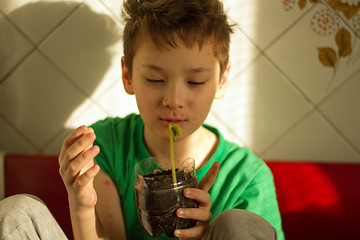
158	198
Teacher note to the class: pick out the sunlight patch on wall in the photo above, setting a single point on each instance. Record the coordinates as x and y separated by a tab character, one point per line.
87	113
108	98
234	113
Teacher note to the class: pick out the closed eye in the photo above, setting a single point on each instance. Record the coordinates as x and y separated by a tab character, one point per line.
154	80
194	83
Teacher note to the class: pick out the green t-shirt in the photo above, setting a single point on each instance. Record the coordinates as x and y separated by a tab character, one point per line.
244	181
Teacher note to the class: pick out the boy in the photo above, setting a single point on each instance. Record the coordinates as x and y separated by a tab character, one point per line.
175	62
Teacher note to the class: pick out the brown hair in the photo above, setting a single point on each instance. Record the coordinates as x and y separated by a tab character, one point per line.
165	21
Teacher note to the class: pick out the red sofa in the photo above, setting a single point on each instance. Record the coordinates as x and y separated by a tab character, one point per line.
316	200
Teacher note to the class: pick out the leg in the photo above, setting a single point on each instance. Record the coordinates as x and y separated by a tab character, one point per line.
27	217
240	224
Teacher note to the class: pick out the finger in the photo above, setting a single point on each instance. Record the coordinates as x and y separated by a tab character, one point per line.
85	159
90	130
81	189
71	138
196	231
209	179
199	214
199	195
74	151
88	176
80	145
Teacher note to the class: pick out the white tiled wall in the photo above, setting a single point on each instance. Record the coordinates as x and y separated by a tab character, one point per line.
60	68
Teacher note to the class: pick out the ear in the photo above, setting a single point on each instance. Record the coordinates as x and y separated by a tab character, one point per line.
220	92
128	85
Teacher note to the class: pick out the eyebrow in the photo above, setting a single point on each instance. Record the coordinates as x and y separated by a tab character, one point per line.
199	70
191	70
153	67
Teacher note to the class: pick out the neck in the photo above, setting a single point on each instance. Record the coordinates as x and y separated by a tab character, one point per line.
204	140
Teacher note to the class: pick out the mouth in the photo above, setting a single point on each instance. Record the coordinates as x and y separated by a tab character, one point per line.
167	121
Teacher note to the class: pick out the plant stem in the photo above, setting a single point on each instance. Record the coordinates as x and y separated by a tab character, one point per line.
172	153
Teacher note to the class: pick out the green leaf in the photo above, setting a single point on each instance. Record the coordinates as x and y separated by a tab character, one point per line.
176	130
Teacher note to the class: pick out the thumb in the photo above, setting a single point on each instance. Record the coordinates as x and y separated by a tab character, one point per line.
210	177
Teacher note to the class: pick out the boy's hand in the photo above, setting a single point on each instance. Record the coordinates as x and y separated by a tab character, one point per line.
77	167
201	214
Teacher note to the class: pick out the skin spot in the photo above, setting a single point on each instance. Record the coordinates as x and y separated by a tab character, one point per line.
107	182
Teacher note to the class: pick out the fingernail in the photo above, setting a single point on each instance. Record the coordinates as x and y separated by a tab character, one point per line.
188	193
81	127
177	233
180	212
94	149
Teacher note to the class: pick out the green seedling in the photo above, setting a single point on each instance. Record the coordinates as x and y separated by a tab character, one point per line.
174	132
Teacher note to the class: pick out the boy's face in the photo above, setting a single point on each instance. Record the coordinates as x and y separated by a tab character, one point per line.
174	85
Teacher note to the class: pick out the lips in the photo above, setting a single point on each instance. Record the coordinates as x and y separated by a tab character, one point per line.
173	120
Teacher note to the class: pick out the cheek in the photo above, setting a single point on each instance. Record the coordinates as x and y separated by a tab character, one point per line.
147	101
202	105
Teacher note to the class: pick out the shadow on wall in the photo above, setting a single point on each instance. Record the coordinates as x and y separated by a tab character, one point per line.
46	77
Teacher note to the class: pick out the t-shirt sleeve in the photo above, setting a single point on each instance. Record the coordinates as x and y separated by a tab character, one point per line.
260	197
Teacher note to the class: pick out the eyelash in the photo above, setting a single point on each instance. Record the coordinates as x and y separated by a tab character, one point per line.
196	83
193	83
154	80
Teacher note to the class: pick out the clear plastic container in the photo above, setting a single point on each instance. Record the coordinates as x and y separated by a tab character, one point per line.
158	198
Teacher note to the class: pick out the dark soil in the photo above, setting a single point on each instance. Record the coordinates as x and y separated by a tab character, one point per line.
158	199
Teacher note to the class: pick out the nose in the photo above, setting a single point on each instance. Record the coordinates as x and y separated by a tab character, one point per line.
174	96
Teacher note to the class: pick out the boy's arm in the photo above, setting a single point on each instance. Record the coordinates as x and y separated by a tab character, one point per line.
78	170
108	207
83	222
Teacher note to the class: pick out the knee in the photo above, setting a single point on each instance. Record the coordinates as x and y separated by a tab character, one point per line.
25	216
231	217
239	215
20	199
20	204
242	224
